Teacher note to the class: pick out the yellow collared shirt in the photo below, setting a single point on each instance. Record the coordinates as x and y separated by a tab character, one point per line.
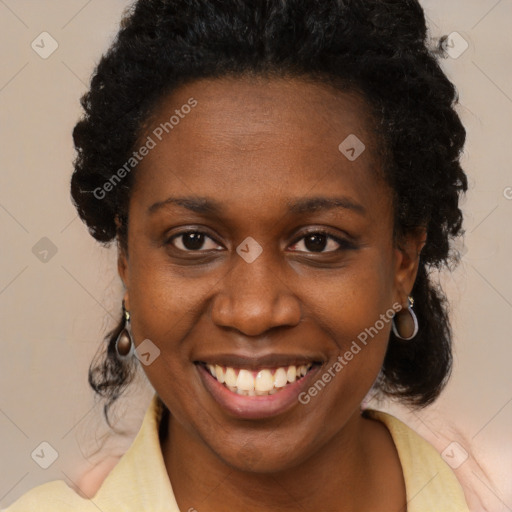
140	483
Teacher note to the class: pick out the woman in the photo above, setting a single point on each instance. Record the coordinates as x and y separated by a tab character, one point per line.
280	177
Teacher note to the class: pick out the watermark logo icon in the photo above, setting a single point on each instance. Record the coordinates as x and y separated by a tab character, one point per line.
454	455
147	352
352	147
249	249
44	455
44	250
44	45
455	45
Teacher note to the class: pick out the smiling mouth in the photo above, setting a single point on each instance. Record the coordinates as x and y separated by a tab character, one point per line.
266	381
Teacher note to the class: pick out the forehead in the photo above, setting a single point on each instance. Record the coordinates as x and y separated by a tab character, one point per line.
247	110
246	137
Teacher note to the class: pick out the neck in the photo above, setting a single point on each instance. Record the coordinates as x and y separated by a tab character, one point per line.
341	475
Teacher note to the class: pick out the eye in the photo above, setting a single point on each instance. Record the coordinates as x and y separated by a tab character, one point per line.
320	242
189	241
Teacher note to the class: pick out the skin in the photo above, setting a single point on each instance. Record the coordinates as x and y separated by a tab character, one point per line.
253	145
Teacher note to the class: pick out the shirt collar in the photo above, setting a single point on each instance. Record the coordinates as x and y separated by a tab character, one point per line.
139	481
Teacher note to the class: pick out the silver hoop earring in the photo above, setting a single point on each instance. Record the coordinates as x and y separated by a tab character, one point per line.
408	323
125	347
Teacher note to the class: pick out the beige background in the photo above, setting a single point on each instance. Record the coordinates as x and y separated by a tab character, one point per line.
54	313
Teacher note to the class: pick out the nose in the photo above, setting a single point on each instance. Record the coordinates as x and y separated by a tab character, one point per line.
254	297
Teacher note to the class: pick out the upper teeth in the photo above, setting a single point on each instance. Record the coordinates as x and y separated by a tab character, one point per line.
262	382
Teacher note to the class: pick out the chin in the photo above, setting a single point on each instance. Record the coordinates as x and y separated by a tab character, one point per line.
263	457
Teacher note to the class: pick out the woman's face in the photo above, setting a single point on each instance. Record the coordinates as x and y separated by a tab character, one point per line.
255	243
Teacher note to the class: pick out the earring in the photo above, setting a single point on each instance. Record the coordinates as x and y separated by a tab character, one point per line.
124	342
405	323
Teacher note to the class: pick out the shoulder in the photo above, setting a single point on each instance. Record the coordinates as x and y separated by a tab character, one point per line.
53	496
138	481
429	480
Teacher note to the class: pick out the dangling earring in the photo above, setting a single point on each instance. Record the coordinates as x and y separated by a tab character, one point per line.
124	342
407	323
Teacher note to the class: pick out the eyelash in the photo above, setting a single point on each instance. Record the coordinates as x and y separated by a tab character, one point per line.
343	244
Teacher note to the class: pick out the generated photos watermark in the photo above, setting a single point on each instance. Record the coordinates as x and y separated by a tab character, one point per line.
152	141
343	360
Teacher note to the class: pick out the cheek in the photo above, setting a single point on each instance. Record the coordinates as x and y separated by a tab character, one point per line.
354	299
164	310
169	308
164	300
357	310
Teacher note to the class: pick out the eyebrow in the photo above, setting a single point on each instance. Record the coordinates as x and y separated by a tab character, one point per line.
207	206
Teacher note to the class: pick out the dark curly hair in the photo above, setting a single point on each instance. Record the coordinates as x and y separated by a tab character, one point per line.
376	48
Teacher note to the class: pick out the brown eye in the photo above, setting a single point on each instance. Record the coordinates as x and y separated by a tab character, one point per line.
193	241
320	242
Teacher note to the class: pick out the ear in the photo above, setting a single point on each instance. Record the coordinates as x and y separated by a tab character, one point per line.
124	274
122	268
407	258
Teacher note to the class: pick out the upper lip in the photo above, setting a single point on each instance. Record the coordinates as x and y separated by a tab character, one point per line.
263	361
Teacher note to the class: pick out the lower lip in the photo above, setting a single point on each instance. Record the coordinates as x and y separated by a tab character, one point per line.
255	407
